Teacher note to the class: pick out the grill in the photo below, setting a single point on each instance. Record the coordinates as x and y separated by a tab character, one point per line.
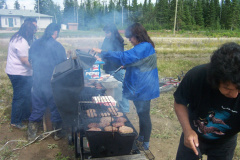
101	143
82	103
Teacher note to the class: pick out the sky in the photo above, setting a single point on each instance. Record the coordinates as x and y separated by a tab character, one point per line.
29	4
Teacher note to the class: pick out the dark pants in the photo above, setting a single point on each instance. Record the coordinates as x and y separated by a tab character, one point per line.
21	101
145	124
223	151
41	99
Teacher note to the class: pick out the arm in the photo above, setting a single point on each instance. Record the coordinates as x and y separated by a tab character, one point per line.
25	61
190	136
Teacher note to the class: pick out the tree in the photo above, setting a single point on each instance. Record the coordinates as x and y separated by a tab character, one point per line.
235	18
49	8
68	12
162	13
199	14
2	4
226	15
16	5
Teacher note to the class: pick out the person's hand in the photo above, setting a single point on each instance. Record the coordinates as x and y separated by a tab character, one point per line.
191	140
96	50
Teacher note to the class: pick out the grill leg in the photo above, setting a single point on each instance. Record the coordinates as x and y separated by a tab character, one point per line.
81	147
76	144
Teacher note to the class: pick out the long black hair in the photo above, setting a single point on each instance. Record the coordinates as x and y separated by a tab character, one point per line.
26	31
49	31
114	32
225	65
139	32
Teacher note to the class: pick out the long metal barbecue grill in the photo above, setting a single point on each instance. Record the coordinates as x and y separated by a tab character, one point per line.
81	105
101	143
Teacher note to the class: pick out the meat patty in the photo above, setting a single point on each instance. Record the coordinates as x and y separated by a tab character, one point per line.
106	119
119	114
118	124
104	124
95	129
125	129
121	119
110	129
93	125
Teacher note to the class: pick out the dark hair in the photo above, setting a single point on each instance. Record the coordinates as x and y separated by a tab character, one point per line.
139	32
114	32
26	31
225	65
30	20
49	31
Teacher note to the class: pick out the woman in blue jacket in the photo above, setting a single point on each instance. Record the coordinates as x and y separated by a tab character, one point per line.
141	83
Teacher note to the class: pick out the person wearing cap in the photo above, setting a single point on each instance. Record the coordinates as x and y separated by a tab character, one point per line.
141	83
207	104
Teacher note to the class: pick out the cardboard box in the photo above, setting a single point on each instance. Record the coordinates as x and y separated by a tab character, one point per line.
95	71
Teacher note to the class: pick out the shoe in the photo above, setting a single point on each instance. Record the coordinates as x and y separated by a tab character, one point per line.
142	145
139	145
32	130
58	134
19	126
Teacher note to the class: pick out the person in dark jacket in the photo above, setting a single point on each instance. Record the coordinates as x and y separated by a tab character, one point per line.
114	42
207	104
44	54
141	83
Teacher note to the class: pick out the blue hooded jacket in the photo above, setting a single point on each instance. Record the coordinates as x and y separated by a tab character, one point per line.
141	79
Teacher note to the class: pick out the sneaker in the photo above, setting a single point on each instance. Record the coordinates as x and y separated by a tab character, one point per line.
139	145
142	145
19	126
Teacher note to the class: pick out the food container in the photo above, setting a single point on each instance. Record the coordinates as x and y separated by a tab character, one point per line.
95	71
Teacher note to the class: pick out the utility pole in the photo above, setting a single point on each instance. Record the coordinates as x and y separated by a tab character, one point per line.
175	18
104	6
122	15
38	13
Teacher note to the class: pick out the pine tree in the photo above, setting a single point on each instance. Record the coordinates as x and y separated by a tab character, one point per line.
16	5
199	14
235	19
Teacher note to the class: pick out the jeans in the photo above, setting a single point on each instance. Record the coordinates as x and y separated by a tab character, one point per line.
214	151
124	104
41	99
21	101
145	124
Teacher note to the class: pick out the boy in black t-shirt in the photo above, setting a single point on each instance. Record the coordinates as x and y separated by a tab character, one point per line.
207	104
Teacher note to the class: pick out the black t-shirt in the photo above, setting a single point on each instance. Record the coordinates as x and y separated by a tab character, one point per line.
213	116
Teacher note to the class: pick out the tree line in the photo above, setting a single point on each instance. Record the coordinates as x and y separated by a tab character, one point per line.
190	15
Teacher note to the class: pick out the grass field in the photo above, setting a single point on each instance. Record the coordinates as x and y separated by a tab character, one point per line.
175	54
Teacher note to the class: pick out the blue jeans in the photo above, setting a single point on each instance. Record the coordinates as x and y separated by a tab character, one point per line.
145	124
41	99
21	101
124	104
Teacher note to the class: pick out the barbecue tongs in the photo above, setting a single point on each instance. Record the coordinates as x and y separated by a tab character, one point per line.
104	79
